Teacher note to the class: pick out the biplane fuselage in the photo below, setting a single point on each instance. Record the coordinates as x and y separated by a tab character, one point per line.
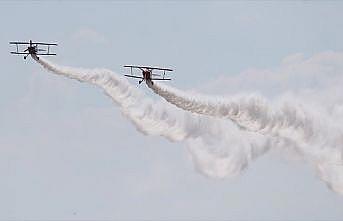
147	74
32	49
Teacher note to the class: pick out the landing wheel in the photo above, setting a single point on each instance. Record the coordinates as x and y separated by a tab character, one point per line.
24	57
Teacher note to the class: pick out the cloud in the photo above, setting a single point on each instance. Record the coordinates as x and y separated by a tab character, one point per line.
295	73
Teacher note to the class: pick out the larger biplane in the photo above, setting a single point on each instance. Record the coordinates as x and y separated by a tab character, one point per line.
33	48
147	74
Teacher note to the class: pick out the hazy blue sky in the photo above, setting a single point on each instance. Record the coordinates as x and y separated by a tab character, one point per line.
68	153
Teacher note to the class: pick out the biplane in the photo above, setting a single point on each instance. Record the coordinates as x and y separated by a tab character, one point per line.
147	74
33	48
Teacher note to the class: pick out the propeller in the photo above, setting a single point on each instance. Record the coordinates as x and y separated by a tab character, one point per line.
26	49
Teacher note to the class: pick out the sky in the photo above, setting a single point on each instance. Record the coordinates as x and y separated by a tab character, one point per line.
67	152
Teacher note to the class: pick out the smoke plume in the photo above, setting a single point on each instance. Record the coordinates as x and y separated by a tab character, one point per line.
315	136
218	147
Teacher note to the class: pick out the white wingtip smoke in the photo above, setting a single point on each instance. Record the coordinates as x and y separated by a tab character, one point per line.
218	147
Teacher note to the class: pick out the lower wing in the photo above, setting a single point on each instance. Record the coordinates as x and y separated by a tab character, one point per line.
43	54
12	52
161	79
133	76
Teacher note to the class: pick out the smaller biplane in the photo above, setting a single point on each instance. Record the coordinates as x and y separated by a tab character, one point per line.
33	48
147	74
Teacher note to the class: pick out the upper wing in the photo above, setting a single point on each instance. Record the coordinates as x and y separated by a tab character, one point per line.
19	43
161	69
41	43
147	67
27	43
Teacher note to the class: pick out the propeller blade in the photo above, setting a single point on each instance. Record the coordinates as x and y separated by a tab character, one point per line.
26	49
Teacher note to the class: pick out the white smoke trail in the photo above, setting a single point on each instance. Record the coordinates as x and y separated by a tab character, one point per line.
253	113
250	112
317	137
218	148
